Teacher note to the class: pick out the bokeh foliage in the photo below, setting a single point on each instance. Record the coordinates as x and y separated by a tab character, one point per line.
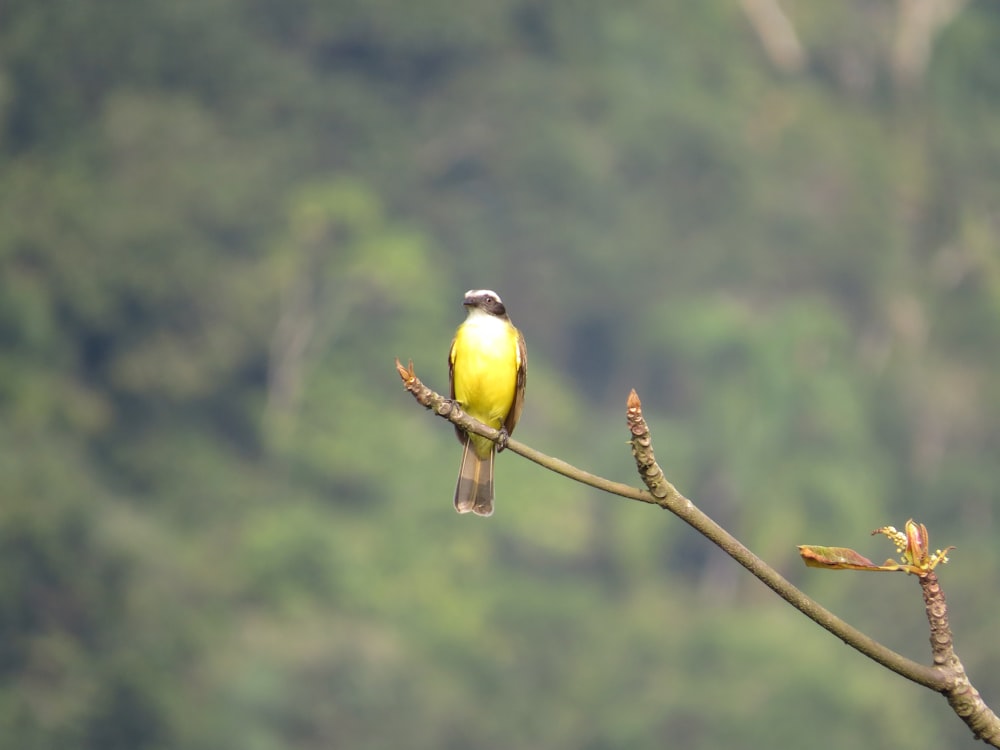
223	525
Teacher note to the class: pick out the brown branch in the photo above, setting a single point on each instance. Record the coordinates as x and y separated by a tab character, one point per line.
962	696
684	509
947	676
445	407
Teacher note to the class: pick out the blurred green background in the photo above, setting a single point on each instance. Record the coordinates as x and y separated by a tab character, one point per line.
223	524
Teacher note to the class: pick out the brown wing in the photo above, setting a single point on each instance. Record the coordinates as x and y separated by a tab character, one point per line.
459	432
522	375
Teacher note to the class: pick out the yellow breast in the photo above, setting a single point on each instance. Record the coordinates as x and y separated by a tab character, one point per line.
485	361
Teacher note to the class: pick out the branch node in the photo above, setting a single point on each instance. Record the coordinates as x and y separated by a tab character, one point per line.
962	696
424	395
642	451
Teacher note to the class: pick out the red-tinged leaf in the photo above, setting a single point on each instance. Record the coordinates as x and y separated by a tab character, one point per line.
913	544
835	558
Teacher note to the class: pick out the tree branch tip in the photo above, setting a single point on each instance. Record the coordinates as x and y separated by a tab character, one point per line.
633	416
406	373
633	401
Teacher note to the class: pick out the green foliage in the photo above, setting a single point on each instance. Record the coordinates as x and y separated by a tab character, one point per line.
223	525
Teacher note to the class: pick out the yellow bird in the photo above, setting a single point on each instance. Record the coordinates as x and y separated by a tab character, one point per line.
487	366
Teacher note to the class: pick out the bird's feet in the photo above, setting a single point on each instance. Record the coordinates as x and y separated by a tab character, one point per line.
502	440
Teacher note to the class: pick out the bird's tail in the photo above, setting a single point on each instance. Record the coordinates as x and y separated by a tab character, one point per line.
474	492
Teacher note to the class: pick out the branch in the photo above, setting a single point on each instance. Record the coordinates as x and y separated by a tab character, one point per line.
961	694
684	509
450	410
947	676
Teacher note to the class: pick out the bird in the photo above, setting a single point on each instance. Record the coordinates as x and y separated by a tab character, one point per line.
487	368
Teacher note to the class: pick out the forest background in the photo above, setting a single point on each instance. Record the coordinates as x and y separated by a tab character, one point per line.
223	524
